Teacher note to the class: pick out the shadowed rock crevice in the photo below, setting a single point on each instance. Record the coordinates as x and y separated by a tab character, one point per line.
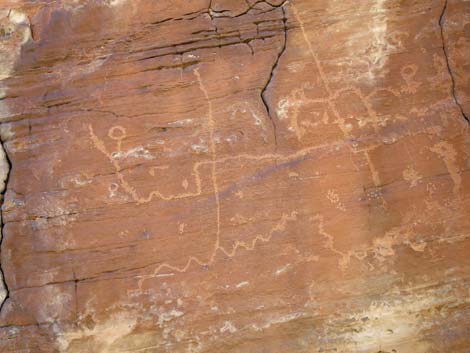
263	94
5	167
271	75
449	68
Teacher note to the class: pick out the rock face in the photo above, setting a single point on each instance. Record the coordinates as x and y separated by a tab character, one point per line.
235	176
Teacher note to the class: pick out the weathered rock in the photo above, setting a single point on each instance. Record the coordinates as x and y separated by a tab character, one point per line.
235	176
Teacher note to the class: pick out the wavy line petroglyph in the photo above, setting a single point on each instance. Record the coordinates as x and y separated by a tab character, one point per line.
249	246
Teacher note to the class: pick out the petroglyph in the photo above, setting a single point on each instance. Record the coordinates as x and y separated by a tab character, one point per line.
448	154
333	196
287	109
194	228
211	128
412	176
118	134
249	246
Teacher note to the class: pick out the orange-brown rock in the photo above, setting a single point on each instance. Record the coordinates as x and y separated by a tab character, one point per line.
245	176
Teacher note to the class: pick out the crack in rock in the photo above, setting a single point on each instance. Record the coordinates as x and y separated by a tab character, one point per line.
5	167
271	75
214	14
449	69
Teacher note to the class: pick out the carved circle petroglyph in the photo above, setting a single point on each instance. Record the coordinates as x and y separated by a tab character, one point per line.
117	133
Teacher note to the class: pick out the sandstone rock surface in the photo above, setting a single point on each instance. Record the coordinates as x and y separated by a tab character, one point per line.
235	176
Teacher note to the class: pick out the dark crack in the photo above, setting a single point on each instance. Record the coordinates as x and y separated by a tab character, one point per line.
213	14
271	76
2	224
449	69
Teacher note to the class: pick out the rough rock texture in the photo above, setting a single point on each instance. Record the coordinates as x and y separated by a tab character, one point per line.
235	176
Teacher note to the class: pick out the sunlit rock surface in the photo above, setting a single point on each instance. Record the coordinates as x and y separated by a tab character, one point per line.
235	176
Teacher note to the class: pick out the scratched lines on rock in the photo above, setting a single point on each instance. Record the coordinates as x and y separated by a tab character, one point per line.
118	133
